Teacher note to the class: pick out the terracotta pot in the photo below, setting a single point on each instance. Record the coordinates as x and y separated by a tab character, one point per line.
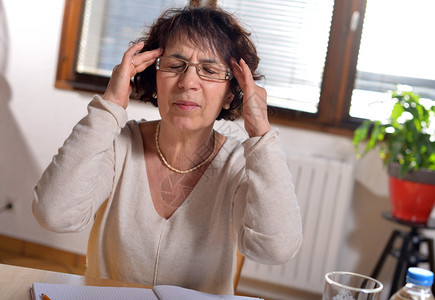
413	195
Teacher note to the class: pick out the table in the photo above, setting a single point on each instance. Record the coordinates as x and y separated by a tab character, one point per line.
408	254
16	281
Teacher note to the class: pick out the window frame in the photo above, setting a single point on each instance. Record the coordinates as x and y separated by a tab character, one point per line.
334	104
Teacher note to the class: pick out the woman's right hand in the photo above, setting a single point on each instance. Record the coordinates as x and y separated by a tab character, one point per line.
119	88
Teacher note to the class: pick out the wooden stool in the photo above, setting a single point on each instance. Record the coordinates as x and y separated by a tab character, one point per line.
408	255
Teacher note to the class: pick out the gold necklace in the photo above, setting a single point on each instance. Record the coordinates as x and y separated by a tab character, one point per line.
175	169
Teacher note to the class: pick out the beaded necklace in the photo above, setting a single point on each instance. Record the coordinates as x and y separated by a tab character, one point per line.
175	169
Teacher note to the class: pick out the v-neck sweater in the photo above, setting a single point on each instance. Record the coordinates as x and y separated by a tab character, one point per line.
244	199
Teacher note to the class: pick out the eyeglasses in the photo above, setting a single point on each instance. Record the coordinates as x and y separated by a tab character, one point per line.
205	70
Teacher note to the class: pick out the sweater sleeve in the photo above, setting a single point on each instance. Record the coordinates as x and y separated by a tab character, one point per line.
80	177
266	213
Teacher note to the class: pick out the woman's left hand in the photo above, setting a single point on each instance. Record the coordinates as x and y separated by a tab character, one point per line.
254	100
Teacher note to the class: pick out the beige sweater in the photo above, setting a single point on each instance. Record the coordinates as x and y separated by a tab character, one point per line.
245	198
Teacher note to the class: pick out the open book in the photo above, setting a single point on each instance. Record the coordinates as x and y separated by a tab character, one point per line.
159	292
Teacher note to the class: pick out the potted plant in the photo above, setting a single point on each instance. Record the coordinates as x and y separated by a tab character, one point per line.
407	146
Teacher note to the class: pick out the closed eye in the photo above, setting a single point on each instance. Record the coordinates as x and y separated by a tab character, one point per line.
210	68
171	63
176	66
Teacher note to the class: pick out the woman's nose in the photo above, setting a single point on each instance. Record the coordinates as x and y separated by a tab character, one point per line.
189	79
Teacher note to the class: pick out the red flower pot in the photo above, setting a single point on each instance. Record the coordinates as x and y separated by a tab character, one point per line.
413	195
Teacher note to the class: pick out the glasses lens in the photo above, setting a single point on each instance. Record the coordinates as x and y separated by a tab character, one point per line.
212	71
171	64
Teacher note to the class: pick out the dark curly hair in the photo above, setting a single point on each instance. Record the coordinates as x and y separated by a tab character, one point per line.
207	28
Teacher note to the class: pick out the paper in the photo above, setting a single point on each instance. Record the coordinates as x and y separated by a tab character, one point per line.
74	292
160	292
171	292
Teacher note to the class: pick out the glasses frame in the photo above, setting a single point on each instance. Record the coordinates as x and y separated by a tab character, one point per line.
228	74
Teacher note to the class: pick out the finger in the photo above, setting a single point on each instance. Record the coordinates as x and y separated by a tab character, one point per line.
127	65
143	60
238	73
133	58
249	79
128	55
243	74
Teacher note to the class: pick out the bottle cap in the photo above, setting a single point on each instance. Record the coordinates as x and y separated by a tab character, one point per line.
419	276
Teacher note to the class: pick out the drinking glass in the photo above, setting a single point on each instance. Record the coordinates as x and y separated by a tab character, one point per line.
351	286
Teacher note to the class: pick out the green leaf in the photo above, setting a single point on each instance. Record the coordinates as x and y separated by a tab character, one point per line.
360	135
397	111
376	136
403	170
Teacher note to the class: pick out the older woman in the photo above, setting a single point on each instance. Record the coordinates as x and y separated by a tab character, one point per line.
171	200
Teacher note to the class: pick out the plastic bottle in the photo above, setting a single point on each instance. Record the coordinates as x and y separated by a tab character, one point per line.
418	286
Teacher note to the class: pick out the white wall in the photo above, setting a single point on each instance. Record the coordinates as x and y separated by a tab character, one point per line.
35	118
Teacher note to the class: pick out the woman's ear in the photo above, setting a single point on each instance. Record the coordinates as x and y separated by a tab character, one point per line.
227	102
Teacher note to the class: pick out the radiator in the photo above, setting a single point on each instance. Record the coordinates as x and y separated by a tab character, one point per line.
324	189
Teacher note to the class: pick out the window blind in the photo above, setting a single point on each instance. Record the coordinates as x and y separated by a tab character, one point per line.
108	28
292	40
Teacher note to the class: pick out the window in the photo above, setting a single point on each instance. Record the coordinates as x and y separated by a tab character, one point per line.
293	57
396	48
103	30
108	29
308	49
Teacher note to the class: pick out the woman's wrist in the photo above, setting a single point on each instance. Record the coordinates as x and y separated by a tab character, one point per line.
258	130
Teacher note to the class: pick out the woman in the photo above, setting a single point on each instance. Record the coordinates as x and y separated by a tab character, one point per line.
171	200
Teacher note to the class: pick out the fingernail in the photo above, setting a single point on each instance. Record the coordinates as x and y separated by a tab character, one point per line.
242	60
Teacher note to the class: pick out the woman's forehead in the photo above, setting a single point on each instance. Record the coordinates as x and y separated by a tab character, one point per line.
183	45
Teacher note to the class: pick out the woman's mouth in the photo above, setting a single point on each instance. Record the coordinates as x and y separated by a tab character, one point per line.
186	105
